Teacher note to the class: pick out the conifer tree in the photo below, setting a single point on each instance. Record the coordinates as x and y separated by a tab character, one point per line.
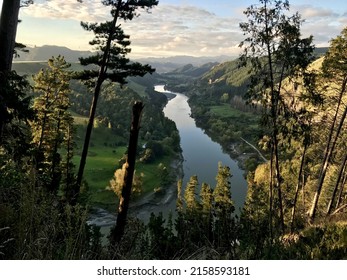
223	203
190	193
8	30
112	46
52	122
206	196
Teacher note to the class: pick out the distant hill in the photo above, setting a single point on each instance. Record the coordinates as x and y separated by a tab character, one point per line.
169	64
45	52
229	73
189	70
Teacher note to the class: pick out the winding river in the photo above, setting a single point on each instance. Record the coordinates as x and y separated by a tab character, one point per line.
201	155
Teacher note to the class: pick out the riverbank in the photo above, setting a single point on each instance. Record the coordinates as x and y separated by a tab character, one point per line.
143	206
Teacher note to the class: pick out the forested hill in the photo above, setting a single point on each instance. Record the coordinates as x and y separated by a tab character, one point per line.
221	77
45	52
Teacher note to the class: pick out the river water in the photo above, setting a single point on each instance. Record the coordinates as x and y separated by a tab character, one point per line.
201	155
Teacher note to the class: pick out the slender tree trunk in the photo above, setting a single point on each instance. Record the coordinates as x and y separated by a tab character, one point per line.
86	143
274	99
298	186
68	171
118	231
328	154
97	89
278	184
8	31
55	173
42	134
271	196
344	180
339	178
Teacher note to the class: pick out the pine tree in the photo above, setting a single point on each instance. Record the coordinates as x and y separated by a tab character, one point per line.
190	193
52	122
224	230
112	46
206	196
223	203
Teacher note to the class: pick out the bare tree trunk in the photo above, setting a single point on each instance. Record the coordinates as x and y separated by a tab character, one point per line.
118	232
298	186
8	31
340	176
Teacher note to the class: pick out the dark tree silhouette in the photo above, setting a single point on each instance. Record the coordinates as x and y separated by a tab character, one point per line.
113	46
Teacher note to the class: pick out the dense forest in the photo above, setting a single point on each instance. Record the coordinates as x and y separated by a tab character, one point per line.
75	136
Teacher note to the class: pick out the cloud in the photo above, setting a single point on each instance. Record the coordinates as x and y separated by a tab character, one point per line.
183	30
310	12
89	10
324	24
171	29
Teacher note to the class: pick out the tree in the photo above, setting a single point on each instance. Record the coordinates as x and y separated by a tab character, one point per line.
224	98
334	74
52	123
8	31
223	203
113	46
129	169
190	193
206	195
275	50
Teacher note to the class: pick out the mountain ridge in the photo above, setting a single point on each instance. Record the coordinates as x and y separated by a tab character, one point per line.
162	64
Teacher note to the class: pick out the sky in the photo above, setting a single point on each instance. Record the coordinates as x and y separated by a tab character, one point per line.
174	27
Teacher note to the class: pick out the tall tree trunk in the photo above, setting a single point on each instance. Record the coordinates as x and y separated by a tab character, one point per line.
56	159
298	186
278	182
118	231
274	99
343	182
97	90
328	154
271	197
339	179
8	31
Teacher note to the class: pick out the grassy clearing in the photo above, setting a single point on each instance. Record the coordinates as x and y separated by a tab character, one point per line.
101	163
103	160
226	111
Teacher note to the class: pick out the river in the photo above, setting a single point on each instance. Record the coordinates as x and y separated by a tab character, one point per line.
201	154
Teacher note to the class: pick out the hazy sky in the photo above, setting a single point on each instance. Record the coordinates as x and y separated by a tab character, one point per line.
174	27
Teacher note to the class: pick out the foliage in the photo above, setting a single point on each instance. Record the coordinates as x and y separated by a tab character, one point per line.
52	128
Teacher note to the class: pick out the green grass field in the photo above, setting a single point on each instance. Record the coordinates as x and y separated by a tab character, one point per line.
103	160
226	111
